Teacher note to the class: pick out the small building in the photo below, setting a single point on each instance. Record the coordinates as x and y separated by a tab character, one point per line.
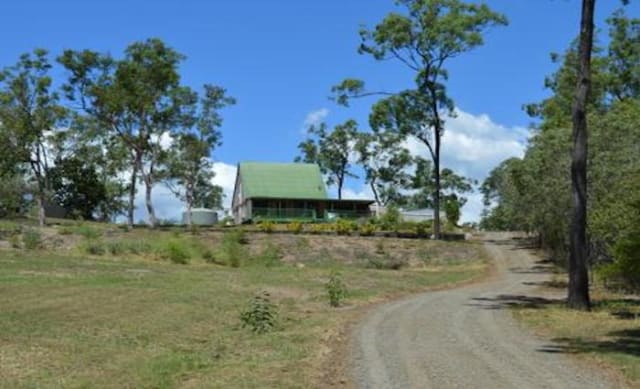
288	191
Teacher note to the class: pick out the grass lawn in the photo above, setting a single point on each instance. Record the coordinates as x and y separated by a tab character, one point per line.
608	336
71	319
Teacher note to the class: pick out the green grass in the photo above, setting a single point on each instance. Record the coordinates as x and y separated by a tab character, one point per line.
76	320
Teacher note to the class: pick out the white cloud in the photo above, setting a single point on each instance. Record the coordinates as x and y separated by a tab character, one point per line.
226	178
472	145
314	118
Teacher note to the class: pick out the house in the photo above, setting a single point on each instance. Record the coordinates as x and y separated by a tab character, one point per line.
288	191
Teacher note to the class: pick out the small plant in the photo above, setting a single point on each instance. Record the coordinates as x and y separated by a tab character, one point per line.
336	289
116	247
368	229
177	253
260	315
31	239
295	227
9	229
65	230
233	250
267	226
208	256
88	232
94	247
14	241
380	249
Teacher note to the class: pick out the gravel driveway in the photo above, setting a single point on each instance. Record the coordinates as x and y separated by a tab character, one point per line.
465	338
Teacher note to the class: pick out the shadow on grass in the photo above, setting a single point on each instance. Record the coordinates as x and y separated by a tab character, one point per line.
621	342
508	301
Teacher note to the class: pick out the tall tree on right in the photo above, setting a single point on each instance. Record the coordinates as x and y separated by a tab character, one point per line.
578	297
423	39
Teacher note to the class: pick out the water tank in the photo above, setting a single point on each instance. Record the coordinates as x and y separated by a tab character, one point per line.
201	217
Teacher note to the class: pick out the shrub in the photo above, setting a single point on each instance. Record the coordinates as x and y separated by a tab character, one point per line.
390	220
260	315
14	241
94	247
380	246
344	227
233	250
368	229
422	228
65	230
31	239
267	226
88	232
176	252
295	227
336	289
9	229
319	228
624	273
208	256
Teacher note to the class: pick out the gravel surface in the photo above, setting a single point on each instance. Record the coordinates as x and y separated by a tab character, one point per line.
466	337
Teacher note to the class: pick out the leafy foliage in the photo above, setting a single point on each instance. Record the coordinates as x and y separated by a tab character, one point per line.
336	289
260	315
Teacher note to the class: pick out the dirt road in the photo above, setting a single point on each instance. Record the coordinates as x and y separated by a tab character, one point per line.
465	338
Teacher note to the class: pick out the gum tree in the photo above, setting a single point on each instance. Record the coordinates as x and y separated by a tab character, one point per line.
423	39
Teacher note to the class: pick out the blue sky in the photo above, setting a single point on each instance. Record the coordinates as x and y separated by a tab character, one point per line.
280	58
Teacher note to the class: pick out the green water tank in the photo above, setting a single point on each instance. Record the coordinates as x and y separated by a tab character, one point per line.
201	217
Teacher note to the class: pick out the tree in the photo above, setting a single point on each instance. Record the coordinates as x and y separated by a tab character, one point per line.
578	277
424	39
30	113
189	164
76	185
386	165
331	150
139	101
452	186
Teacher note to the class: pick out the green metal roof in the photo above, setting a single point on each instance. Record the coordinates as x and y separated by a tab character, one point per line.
282	180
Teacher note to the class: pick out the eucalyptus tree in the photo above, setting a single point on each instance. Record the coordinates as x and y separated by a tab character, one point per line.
137	100
386	164
423	39
30	113
333	151
189	165
578	296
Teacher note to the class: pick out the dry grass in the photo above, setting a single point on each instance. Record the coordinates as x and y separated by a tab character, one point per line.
135	319
609	336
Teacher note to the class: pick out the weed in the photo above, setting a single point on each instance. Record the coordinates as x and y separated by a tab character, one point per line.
177	252
31	239
260	315
87	232
380	249
336	289
422	228
14	241
9	229
94	247
65	230
319	228
233	250
208	256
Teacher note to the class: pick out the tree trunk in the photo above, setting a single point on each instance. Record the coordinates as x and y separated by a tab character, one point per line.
340	181
132	194
578	274
148	184
189	207
41	213
436	194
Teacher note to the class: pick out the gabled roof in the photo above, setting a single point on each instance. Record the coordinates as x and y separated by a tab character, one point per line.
281	180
